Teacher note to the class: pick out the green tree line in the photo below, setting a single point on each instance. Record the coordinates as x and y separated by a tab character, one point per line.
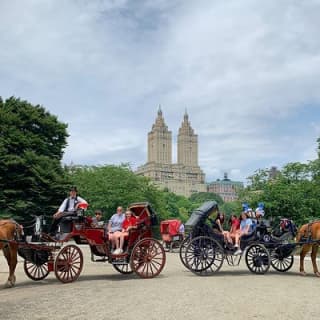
33	180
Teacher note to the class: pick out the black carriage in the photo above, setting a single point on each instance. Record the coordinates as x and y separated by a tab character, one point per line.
204	250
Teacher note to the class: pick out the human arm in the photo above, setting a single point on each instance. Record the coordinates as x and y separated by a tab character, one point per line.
79	201
218	222
246	229
110	225
61	209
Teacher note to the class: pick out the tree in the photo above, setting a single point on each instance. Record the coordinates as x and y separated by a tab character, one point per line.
200	197
109	186
294	193
32	140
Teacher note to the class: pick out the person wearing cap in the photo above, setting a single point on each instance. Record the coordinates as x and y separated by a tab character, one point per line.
259	213
67	207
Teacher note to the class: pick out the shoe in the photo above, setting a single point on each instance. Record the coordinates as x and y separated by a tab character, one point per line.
120	251
237	252
116	251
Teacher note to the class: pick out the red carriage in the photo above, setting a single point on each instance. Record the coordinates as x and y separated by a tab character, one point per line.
171	233
142	254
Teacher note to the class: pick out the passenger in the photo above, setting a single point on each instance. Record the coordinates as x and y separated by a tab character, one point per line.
234	223
220	221
97	219
129	223
259	213
181	230
218	226
245	229
115	227
67	208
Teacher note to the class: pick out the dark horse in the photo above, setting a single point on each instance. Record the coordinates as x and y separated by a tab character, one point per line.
10	230
309	233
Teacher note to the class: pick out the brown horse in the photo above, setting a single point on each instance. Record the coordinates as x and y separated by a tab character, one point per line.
10	230
309	232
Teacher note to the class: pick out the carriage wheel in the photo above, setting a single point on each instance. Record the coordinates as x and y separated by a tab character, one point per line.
204	255
35	272
123	268
68	264
258	259
182	250
147	258
281	264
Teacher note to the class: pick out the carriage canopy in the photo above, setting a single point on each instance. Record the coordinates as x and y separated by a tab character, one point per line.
200	214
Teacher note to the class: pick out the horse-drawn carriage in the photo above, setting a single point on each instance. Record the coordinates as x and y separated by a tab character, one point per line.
204	250
171	233
142	254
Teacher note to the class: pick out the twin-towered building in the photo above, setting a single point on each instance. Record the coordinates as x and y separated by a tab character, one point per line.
184	177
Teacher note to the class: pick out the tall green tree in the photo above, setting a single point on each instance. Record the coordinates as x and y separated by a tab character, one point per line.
32	180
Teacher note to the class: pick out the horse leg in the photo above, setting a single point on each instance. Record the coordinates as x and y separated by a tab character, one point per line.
313	259
10	253
305	249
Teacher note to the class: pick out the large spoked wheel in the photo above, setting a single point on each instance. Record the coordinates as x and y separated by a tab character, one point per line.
258	259
35	272
204	255
281	264
182	250
123	268
68	264
148	258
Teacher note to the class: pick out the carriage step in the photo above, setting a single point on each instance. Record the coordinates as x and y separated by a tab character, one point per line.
120	262
100	260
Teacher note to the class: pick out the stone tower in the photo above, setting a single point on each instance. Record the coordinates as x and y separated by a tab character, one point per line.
187	144
183	178
160	142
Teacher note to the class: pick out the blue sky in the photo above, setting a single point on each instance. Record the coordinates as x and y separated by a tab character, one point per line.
247	71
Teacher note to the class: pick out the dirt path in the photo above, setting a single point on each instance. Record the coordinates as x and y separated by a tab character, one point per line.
102	293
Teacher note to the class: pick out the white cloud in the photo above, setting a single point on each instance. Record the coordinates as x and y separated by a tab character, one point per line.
245	70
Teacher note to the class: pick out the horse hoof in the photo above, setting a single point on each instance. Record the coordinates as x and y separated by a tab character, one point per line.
8	284
303	273
317	274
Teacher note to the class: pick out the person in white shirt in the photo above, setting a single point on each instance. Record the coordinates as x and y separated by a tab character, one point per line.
68	207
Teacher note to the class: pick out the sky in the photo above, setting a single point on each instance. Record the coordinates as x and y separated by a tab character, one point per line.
247	72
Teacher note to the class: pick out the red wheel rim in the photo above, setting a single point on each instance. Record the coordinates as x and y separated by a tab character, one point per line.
68	264
148	258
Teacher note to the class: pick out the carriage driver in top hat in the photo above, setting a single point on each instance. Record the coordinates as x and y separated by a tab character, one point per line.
69	205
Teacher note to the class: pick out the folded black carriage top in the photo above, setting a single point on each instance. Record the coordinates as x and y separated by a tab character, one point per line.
200	214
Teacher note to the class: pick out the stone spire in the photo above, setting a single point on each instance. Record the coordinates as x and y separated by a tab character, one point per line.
187	143
160	141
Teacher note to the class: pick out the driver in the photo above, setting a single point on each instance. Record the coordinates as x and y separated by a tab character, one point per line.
67	208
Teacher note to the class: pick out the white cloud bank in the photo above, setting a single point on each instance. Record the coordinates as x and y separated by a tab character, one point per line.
247	71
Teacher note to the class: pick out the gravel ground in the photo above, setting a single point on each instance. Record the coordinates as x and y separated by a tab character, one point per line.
102	293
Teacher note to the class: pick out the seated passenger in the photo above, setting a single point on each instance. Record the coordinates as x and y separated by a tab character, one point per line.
245	229
115	227
234	222
97	219
181	230
129	223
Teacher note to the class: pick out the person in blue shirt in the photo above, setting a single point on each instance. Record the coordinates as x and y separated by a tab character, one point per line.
245	229
115	227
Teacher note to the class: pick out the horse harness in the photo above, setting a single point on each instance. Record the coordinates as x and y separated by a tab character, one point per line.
16	235
307	233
